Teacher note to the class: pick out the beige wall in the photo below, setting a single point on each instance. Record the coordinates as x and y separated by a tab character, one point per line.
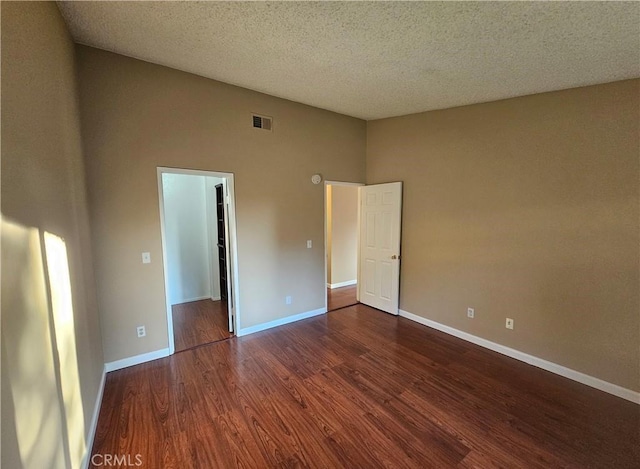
137	116
525	208
344	234
52	358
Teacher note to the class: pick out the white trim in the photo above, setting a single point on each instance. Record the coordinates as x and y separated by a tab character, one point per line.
342	183
215	298
342	284
136	360
197	298
280	322
94	421
165	266
574	375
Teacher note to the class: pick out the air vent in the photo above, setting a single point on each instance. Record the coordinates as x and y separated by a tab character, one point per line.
262	122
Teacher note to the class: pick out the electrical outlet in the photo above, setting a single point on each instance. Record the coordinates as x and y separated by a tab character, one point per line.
141	331
509	324
471	313
288	300
309	244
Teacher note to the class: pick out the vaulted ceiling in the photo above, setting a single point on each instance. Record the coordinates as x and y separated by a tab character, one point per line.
375	59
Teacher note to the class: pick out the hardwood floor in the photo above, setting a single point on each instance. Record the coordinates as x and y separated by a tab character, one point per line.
199	322
363	389
340	297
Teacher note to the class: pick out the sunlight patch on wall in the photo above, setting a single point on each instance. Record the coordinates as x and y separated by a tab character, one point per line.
27	343
62	306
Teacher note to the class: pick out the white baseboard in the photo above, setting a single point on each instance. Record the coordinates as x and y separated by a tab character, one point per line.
574	375
342	284
136	360
94	421
216	298
197	298
280	322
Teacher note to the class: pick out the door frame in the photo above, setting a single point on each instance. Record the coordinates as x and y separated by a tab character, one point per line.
340	183
233	303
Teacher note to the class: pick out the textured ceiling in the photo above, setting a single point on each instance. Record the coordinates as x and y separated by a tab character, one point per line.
375	59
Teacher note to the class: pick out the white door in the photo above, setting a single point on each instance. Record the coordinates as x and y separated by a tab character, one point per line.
230	293
380	218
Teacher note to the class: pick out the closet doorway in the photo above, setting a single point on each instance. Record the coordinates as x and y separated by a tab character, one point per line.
198	238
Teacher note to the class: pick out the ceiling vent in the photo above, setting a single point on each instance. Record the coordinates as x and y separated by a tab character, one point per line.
262	122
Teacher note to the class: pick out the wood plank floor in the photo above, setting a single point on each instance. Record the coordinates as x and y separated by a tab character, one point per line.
199	322
340	297
363	389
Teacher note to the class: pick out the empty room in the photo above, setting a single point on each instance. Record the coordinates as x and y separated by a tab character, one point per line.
320	234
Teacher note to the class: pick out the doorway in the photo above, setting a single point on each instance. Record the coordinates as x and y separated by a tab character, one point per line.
378	224
341	251
199	245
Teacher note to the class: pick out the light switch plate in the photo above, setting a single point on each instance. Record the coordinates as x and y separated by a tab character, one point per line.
309	244
146	258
